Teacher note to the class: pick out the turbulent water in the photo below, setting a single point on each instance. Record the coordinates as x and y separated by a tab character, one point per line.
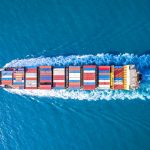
75	32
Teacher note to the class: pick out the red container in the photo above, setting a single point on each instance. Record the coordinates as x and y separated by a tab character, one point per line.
74	68
104	83
31	78
104	67
45	87
6	82
118	72
58	84
31	70
45	73
117	87
89	66
74	84
87	87
44	81
89	74
57	77
88	78
45	67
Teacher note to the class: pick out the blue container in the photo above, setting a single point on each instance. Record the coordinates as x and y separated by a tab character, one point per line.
19	69
74	88
6	73
6	78
104	77
74	71
89	83
18	83
104	71
87	69
45	78
118	78
118	67
30	67
45	69
78	81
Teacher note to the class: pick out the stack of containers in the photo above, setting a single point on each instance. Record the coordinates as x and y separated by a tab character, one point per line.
59	77
89	77
104	77
6	77
31	78
118	77
74	77
45	77
18	78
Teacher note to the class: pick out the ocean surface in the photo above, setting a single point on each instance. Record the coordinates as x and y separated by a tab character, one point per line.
75	32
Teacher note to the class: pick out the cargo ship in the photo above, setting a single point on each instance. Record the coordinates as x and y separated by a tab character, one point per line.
86	77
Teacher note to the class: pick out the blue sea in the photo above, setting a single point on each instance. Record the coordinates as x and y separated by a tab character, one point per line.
75	32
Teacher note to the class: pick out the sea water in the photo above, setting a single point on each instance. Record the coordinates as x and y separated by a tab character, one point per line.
67	32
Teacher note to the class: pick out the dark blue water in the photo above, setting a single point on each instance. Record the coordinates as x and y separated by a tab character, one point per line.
70	120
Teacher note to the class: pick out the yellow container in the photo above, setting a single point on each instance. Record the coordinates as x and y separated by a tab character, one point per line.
112	77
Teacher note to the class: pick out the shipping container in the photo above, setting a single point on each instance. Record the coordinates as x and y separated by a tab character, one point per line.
118	77
18	78
89	77
31	77
6	77
104	77
45	77
59	77
74	77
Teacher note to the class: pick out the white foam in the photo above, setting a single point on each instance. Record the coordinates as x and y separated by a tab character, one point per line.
84	95
99	59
